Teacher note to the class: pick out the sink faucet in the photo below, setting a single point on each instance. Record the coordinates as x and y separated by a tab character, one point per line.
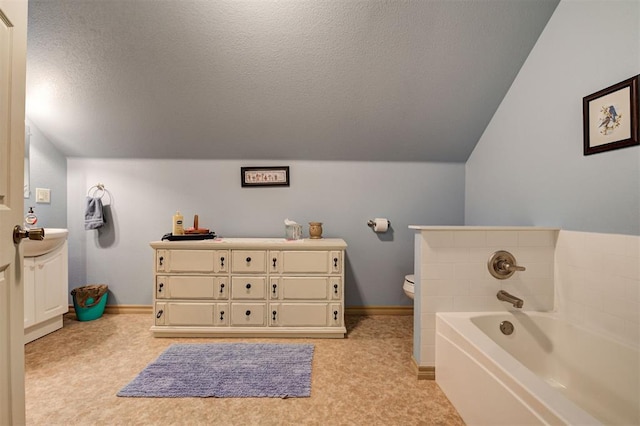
506	297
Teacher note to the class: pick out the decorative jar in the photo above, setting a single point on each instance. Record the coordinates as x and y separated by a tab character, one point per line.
315	230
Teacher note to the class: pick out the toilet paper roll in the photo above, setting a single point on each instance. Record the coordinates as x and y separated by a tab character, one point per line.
380	224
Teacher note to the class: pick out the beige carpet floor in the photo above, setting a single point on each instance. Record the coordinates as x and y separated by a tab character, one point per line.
72	377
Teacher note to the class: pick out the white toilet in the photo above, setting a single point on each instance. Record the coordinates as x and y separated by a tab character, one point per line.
409	285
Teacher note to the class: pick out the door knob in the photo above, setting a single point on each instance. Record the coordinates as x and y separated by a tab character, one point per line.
33	234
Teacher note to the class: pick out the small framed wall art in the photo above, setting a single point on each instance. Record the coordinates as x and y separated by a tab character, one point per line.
610	117
265	176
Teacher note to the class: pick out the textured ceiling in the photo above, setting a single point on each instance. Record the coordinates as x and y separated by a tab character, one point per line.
363	80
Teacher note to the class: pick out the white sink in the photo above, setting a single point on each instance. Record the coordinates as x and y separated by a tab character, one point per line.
53	238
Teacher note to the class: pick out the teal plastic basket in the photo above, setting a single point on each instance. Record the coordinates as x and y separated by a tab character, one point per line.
91	311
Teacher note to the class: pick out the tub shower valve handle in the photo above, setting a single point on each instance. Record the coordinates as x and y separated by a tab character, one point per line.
509	267
502	265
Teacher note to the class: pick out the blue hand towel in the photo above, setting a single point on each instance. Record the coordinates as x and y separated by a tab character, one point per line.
93	217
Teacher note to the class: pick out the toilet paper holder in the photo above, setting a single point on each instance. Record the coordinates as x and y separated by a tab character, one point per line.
371	223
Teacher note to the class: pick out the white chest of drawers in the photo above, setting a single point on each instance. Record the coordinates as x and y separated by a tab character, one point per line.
249	287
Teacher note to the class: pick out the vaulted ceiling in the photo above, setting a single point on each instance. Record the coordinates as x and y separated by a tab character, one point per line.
362	80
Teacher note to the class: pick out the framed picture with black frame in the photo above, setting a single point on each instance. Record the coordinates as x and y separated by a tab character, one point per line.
610	117
264	176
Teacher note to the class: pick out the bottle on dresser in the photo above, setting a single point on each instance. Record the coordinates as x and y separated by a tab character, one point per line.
178	224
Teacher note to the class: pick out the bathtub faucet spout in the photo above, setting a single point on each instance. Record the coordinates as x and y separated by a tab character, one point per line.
506	297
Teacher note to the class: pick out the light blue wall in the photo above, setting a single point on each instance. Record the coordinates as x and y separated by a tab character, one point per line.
528	167
144	194
48	169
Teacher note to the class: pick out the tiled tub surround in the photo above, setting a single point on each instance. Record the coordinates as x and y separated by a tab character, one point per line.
597	279
589	278
452	276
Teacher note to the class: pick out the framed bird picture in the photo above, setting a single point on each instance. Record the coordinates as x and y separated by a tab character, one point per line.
611	117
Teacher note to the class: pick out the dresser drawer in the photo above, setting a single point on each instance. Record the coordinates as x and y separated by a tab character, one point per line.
248	261
248	314
185	261
248	287
305	314
191	287
178	313
309	288
305	288
304	262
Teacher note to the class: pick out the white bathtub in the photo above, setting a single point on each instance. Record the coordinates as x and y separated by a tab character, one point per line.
547	372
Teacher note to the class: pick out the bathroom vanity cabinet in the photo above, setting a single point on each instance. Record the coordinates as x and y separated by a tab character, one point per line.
45	292
249	287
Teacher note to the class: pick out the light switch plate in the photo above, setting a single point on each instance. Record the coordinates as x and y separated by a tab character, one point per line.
43	195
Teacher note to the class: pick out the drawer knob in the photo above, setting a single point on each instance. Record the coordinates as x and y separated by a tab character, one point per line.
159	314
222	261
247	313
222	288
248	259
221	315
160	287
335	315
248	286
274	261
335	262
161	259
274	288
274	314
335	288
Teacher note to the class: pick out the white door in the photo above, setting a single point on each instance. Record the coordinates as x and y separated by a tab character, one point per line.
13	45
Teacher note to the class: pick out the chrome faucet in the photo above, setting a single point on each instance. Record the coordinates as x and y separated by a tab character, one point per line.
506	297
